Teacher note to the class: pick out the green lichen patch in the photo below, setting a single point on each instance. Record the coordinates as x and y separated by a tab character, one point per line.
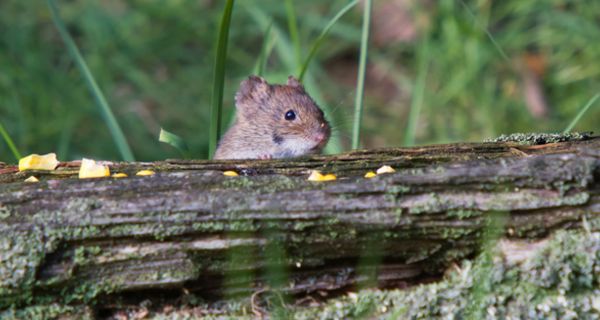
265	184
463	214
561	282
49	311
76	212
541	138
499	201
20	254
85	291
5	212
83	255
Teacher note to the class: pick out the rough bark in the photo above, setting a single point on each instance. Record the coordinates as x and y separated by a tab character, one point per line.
191	229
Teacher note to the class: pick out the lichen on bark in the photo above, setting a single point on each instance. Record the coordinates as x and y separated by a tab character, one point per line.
559	280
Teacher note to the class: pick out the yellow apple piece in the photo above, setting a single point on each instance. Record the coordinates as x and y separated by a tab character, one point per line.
90	169
38	162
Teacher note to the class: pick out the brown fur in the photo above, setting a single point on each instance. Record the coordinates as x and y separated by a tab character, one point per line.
261	130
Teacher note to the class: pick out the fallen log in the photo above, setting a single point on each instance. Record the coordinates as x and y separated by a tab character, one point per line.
190	229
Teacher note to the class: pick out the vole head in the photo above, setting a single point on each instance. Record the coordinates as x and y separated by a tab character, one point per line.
284	114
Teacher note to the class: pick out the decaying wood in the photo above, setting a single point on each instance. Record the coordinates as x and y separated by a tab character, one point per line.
190	229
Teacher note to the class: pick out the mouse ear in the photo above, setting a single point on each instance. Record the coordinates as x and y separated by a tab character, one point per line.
293	82
251	88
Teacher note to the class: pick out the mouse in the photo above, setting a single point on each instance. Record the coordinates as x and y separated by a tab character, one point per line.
274	121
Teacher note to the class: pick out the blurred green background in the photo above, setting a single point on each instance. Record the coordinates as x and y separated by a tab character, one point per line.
153	59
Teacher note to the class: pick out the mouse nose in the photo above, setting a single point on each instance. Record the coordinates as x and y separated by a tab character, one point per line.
321	137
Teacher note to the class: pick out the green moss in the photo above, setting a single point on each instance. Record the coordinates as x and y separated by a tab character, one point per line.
463	214
541	138
390	198
5	212
302	225
397	215
208	226
398	189
239	182
126	230
163	231
432	204
74	233
266	183
592	222
456	233
84	255
576	199
20	253
498	201
87	291
560	282
283	183
49	311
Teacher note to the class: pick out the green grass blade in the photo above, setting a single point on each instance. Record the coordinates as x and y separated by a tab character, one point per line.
175	141
219	79
293	30
109	118
418	93
487	32
265	51
362	64
10	143
324	33
581	113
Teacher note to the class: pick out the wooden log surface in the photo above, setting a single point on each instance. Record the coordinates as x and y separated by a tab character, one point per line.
189	228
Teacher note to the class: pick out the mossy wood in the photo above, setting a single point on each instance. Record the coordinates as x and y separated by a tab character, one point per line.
190	229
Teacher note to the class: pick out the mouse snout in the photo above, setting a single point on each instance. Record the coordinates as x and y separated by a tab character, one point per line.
322	135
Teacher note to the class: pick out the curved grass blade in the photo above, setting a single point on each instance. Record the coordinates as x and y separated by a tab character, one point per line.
175	141
581	113
487	32
10	143
109	118
362	64
219	79
265	51
315	46
418	92
293	30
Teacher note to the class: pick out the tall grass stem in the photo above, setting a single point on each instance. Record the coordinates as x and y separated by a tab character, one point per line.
418	96
317	43
109	118
265	51
581	113
293	30
219	79
10	143
487	32
362	64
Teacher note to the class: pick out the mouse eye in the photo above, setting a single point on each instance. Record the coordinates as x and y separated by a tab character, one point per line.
290	115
